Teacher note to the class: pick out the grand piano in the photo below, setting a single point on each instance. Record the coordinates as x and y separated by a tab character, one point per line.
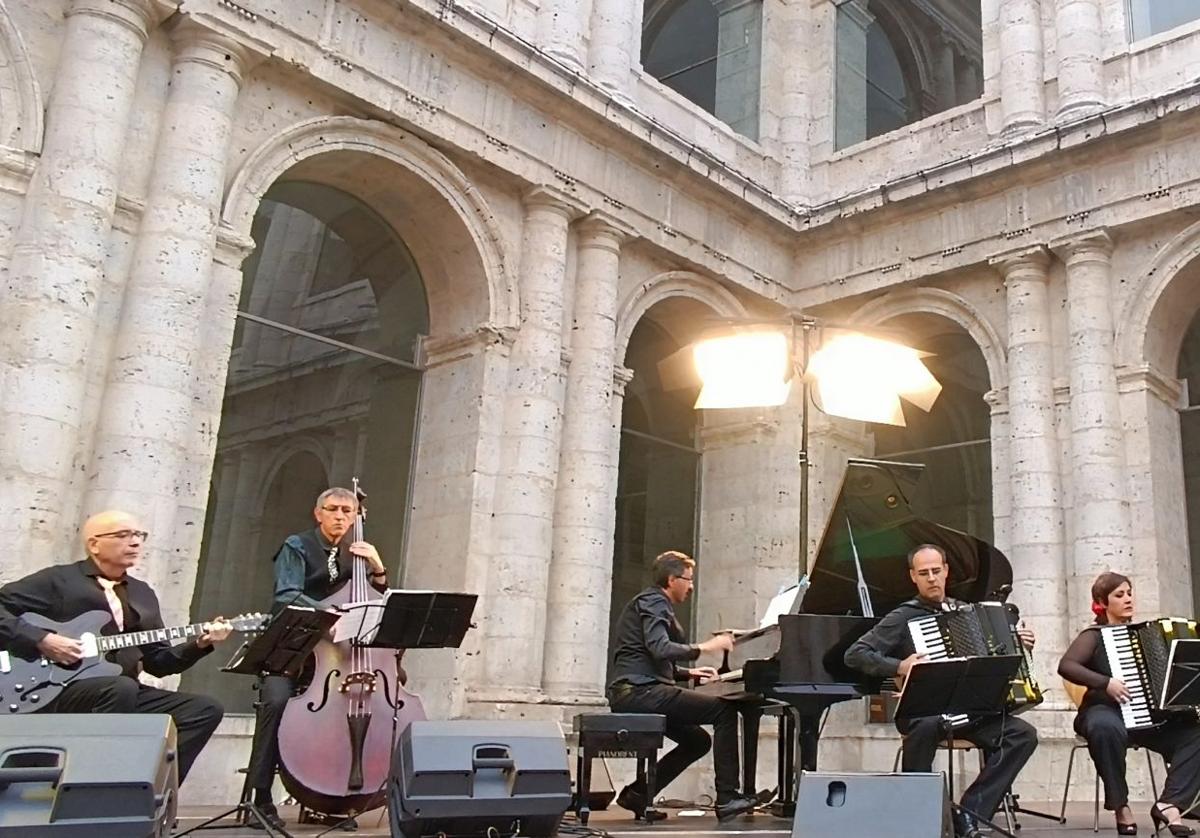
795	666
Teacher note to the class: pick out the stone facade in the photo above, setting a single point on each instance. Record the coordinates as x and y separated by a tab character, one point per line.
551	194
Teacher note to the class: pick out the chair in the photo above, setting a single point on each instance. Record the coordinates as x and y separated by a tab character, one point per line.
1075	694
950	746
616	736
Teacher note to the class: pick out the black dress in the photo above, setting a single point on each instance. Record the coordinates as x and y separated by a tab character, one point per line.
1099	722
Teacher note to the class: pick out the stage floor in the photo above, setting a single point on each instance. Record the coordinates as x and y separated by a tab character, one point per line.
618	824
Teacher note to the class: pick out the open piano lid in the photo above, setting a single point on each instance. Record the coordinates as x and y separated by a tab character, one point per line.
874	499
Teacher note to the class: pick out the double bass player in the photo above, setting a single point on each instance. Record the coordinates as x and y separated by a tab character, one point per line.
309	567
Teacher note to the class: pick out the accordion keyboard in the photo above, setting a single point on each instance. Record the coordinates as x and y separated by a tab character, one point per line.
1125	662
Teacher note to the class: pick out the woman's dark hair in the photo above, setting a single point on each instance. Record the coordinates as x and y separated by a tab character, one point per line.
668	564
1104	585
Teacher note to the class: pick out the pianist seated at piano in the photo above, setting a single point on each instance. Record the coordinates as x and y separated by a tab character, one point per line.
650	646
888	651
1116	713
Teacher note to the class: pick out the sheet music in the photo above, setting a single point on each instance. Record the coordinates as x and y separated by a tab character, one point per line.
782	603
361	620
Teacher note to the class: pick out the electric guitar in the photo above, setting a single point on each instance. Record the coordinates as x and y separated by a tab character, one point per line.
27	684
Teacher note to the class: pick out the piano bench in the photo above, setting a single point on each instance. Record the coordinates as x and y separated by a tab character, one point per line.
617	736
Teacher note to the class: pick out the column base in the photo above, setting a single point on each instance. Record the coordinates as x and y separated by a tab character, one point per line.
1077	110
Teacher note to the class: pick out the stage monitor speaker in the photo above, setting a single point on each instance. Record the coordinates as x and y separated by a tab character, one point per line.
468	778
870	805
87	776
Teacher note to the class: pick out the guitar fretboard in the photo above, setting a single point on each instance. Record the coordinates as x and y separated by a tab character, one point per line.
110	643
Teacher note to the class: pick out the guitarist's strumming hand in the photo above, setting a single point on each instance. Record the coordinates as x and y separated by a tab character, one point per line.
217	631
61	650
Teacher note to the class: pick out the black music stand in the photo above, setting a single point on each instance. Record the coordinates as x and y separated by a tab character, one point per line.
1181	687
958	687
281	649
419	620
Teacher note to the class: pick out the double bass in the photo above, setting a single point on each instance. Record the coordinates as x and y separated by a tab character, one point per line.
337	732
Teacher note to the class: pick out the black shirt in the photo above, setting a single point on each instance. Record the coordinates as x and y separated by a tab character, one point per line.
1084	663
650	641
878	653
64	592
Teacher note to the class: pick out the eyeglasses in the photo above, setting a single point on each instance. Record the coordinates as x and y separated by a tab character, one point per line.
685	578
345	510
124	535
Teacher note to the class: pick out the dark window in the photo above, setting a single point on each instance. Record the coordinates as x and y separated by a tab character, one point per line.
320	389
900	61
710	58
1149	17
1189	421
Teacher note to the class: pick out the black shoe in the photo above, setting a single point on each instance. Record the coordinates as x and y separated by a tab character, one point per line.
634	801
1178	830
965	826
270	815
735	806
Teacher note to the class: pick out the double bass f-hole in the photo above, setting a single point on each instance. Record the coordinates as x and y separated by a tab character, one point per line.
333	674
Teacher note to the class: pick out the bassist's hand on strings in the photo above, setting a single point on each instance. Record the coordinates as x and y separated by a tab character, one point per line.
61	650
1117	690
368	552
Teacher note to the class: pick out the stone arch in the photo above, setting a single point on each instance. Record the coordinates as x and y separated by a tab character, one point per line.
280	456
665	286
21	105
432	205
1151	325
950	306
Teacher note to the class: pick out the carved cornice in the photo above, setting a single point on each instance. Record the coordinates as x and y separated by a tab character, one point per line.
1144	377
439	351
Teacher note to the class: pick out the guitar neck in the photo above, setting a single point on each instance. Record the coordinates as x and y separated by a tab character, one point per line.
112	642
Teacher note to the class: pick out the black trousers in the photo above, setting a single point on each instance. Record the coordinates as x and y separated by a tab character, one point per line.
273	694
1007	744
686	711
1178	741
196	716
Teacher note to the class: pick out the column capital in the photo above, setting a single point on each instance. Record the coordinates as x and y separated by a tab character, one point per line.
1031	262
997	401
199	44
599	229
547	197
444	349
139	16
1091	245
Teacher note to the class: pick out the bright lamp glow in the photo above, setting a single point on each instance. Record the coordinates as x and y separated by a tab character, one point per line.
747	369
862	377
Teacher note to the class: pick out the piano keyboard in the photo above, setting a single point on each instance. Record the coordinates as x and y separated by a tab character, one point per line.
1123	659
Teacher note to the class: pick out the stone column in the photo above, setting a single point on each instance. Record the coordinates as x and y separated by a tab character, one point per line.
795	111
850	107
1000	435
560	31
1080	45
1102	538
145	436
1036	530
523	516
585	505
1022	101
49	304
611	50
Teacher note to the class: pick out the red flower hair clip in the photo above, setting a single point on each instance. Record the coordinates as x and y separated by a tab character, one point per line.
1098	609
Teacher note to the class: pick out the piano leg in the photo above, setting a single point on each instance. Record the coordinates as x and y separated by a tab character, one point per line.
785	804
751	714
809	733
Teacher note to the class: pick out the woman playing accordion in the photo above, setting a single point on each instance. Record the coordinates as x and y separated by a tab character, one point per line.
1107	717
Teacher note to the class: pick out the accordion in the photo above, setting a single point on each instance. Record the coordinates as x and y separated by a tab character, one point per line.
1137	653
975	630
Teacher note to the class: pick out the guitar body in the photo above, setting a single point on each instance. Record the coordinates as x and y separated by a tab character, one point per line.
28	684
